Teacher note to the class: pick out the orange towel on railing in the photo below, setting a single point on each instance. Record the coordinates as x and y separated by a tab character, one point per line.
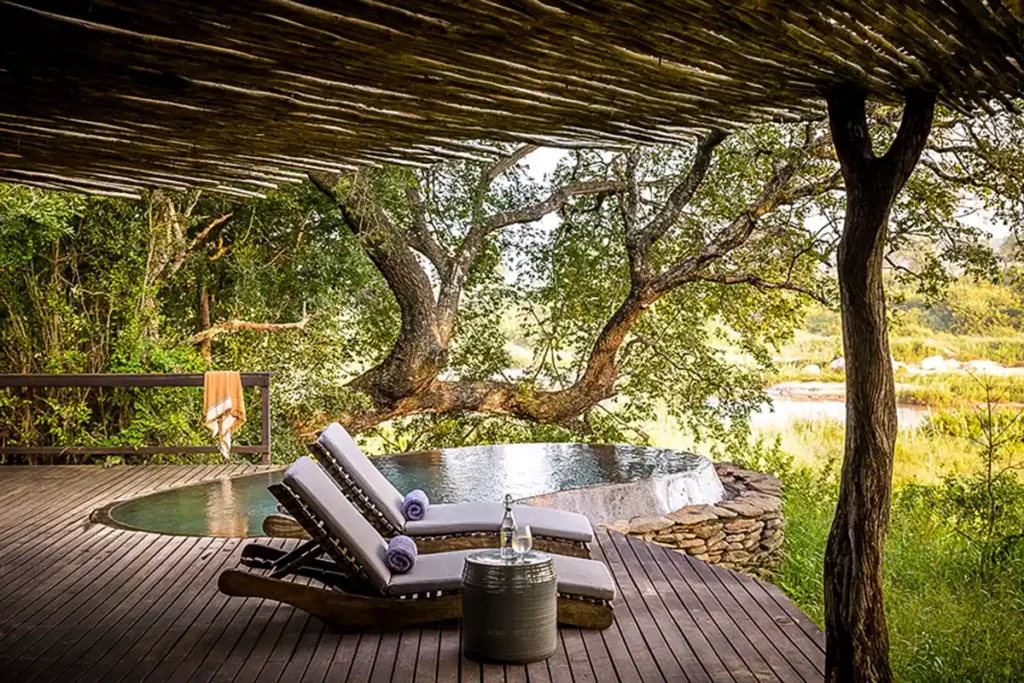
223	406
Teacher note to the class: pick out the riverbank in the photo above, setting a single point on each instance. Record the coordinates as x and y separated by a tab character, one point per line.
938	390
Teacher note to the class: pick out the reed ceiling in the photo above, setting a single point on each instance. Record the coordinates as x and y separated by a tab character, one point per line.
112	96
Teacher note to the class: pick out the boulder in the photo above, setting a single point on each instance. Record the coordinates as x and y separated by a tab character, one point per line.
811	370
983	367
932	364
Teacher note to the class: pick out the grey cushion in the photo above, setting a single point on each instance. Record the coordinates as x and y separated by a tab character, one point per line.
442	519
374	484
433	572
589	578
340	517
443	572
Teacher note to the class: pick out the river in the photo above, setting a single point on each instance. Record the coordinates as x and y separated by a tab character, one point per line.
784	411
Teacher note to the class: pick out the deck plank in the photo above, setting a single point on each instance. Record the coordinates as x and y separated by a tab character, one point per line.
655	604
52	547
724	650
145	602
344	655
85	603
448	660
710	662
427	655
622	660
635	622
29	642
149	644
733	635
768	626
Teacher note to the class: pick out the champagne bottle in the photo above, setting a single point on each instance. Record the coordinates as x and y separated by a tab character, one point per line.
508	530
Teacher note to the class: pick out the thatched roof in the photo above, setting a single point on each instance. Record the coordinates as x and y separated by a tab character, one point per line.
116	95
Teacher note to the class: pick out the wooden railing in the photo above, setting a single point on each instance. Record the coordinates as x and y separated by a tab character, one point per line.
249	379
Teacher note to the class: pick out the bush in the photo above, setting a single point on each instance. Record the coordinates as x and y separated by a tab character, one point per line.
984	308
954	601
946	623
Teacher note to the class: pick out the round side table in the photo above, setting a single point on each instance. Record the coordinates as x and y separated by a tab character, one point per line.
509	607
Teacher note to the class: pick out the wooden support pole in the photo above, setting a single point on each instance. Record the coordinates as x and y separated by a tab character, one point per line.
265	409
857	640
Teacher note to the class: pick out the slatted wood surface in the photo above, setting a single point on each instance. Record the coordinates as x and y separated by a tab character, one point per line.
84	603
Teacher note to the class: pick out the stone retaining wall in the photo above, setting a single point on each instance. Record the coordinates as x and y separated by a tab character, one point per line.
743	532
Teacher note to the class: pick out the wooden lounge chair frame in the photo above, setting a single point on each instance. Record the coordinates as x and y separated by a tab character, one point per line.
425	544
351	601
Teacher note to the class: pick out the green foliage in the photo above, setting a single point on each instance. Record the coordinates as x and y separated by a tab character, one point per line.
85	287
948	619
984	309
986	505
948	391
113	285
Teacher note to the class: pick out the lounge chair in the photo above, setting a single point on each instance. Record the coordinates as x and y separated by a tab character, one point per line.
445	526
361	591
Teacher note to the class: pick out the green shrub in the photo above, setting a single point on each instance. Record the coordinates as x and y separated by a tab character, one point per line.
946	621
954	594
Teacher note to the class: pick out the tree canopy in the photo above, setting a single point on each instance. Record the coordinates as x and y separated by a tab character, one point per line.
474	300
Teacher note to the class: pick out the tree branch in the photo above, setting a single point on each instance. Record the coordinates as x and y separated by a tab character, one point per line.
762	284
325	182
505	163
419	344
420	237
684	191
555	201
813	189
245	325
911	138
733	236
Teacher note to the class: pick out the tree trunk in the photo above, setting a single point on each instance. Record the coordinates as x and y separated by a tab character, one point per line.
857	648
204	324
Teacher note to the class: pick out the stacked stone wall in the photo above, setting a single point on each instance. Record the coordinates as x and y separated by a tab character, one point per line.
745	531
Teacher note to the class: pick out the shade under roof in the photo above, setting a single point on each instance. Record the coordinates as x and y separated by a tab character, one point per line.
113	96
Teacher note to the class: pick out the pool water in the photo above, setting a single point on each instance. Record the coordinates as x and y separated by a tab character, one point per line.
237	506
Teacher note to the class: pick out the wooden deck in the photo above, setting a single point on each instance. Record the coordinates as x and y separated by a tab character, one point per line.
82	603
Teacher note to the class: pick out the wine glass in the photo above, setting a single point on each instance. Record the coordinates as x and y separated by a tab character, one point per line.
522	541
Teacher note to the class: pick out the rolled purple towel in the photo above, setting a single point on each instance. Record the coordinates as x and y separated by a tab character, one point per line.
401	554
415	505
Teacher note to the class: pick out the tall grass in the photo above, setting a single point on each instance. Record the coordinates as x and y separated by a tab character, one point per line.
948	621
956	390
922	456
